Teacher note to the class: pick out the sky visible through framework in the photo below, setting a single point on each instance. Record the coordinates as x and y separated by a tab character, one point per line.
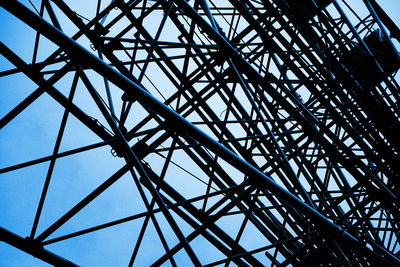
16	213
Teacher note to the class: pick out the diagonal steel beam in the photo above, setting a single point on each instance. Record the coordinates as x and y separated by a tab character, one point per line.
33	248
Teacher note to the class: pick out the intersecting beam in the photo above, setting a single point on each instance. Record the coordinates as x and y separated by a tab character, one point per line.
33	248
393	28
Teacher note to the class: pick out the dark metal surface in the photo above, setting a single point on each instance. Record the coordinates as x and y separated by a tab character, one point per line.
278	118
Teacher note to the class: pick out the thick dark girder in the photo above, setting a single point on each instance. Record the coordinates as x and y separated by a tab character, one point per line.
33	248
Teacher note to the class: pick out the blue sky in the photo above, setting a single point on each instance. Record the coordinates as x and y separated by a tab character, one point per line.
28	138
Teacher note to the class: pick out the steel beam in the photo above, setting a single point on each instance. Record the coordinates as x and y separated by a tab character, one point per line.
33	248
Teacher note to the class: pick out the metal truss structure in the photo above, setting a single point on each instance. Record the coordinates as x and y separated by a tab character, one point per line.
248	133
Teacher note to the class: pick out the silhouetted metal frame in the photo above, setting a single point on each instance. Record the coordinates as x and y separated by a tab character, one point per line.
174	120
